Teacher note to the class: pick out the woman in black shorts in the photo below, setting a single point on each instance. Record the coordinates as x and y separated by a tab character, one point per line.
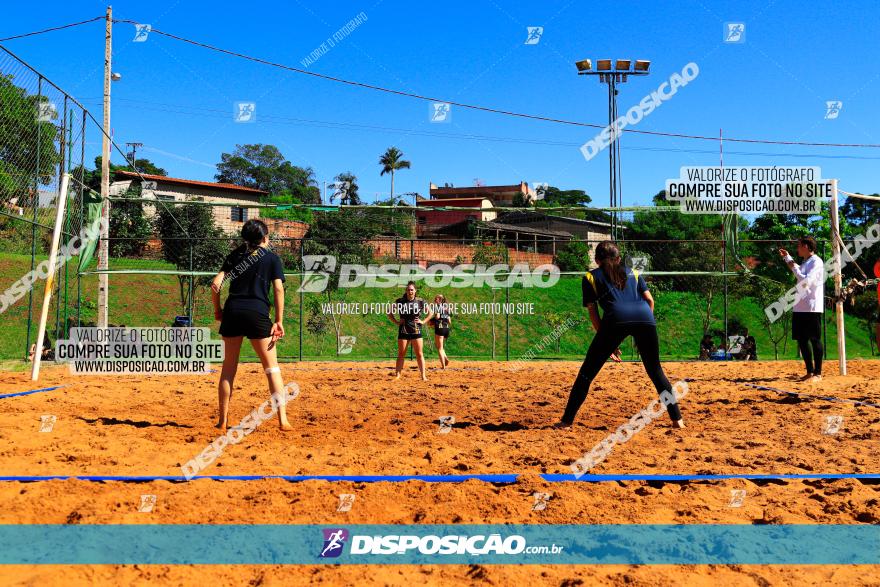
409	327
251	270
441	322
628	310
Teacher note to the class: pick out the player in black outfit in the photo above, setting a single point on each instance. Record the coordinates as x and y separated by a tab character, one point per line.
409	327
251	270
441	322
628	310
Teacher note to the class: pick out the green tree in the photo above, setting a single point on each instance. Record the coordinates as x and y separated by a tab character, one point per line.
553	196
191	242
860	212
668	223
350	196
92	177
557	198
395	222
316	322
342	235
263	167
289	207
130	229
486	253
573	256
24	141
391	161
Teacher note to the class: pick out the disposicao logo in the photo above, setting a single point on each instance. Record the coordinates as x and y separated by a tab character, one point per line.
334	542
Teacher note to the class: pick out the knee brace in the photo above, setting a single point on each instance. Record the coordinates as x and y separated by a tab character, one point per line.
270	370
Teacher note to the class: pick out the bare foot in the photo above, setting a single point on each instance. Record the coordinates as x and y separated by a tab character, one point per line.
397	376
424	377
678	424
806	377
220	426
285	426
816	379
562	425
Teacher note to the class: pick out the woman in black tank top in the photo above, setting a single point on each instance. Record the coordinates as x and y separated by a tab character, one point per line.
441	323
252	271
409	327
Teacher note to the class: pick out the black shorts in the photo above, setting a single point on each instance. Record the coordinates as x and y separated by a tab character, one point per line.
444	332
249	323
805	325
409	336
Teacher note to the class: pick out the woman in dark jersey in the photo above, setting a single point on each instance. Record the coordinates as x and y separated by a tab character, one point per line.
441	322
250	270
628	310
409	327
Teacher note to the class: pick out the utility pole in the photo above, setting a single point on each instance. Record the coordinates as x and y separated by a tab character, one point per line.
104	252
134	148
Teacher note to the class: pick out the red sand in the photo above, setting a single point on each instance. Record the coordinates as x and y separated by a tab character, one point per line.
353	418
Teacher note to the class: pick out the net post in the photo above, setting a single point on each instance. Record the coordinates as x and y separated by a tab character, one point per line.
838	279
47	292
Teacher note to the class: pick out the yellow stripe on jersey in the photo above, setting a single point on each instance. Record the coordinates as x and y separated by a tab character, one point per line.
589	277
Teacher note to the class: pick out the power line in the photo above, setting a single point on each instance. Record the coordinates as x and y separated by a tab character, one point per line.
485	108
57	28
454	103
268	119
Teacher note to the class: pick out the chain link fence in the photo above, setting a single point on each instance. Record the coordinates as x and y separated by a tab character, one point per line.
699	290
42	136
164	249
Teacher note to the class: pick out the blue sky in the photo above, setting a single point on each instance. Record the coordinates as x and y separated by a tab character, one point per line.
178	99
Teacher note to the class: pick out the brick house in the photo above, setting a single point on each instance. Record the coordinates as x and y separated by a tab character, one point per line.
430	215
230	218
500	195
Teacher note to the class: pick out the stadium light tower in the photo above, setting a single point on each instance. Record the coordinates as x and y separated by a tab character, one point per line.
613	75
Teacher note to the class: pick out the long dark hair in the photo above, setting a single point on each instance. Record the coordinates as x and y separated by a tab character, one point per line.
608	258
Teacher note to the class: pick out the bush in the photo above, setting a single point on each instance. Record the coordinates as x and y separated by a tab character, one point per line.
573	256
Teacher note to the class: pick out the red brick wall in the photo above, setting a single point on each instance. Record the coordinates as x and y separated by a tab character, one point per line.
289	238
446	252
286	228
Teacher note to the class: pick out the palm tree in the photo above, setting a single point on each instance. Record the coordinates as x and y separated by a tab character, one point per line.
391	161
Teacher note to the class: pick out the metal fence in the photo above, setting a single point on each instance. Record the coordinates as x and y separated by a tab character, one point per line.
163	253
695	295
42	135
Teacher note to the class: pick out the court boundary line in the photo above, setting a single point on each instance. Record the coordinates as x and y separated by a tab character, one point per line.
815	397
489	478
20	393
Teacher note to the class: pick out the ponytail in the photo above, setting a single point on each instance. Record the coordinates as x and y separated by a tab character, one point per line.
253	232
608	258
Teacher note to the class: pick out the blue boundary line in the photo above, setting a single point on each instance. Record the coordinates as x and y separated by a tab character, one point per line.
31	391
811	396
749	476
503	478
291	478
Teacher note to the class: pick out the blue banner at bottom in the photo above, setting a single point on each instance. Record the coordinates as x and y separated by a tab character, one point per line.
691	544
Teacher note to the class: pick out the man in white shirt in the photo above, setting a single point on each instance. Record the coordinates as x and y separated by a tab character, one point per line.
806	323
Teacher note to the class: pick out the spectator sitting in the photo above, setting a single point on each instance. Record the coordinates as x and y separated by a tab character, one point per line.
707	347
749	350
48	353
